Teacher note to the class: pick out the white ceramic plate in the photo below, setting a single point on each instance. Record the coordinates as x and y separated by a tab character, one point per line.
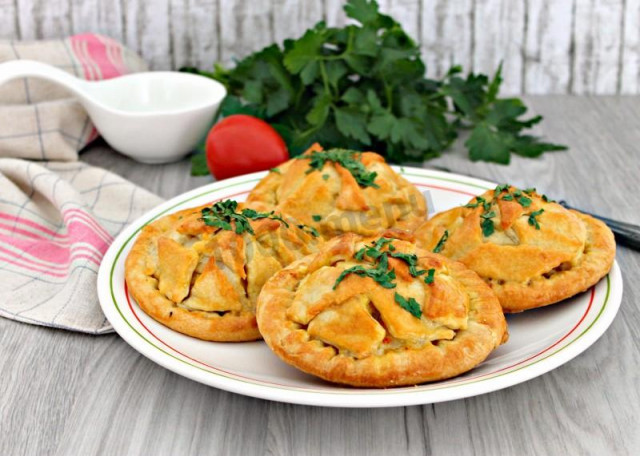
540	340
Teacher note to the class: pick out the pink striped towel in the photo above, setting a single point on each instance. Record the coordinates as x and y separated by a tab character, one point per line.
56	222
57	219
40	120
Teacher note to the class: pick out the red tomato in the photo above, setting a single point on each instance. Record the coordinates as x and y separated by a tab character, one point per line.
242	144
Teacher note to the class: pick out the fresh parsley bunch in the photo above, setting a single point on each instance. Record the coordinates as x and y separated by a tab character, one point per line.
363	86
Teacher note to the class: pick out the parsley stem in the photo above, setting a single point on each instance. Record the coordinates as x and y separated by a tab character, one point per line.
325	78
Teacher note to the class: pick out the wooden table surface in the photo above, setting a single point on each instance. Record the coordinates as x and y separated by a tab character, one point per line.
67	393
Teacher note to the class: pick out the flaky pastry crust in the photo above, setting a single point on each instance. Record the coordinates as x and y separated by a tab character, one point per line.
204	281
331	200
358	334
528	262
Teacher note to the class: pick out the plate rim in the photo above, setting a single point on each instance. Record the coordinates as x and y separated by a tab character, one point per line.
357	398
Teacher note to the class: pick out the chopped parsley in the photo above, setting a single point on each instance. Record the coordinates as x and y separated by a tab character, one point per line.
346	158
316	217
412	261
380	273
486	224
410	305
385	276
502	188
524	201
309	229
375	249
440	245
430	275
520	196
223	213
325	176
533	221
275	170
547	199
488	228
479	200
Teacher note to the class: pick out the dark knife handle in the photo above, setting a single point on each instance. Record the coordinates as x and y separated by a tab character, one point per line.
626	233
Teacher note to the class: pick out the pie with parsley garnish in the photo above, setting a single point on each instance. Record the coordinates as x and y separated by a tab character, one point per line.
338	191
199	271
530	250
379	312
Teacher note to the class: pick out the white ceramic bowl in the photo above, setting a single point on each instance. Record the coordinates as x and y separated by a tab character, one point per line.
153	117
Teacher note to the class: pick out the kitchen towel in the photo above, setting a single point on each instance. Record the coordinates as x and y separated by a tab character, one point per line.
57	220
40	120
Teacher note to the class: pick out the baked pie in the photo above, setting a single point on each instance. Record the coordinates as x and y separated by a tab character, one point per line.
199	271
339	190
531	251
379	312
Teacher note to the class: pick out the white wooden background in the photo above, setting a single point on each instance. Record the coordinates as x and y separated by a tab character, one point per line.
548	46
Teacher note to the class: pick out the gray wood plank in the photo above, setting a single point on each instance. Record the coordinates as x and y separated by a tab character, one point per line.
298	17
146	31
66	393
597	46
406	13
98	16
334	14
245	27
447	35
195	33
499	31
547	46
629	82
9	26
43	19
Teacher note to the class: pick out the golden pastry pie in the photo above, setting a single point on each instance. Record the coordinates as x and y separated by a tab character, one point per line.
338	191
379	312
199	271
530	250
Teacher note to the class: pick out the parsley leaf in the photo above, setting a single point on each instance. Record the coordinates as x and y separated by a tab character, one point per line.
381	273
501	188
309	229
487	226
410	305
524	201
478	201
440	245
199	164
365	85
316	217
486	223
533	221
384	275
349	159
430	276
223	214
412	261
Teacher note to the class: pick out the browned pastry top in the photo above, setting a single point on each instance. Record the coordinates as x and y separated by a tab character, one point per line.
379	312
532	251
